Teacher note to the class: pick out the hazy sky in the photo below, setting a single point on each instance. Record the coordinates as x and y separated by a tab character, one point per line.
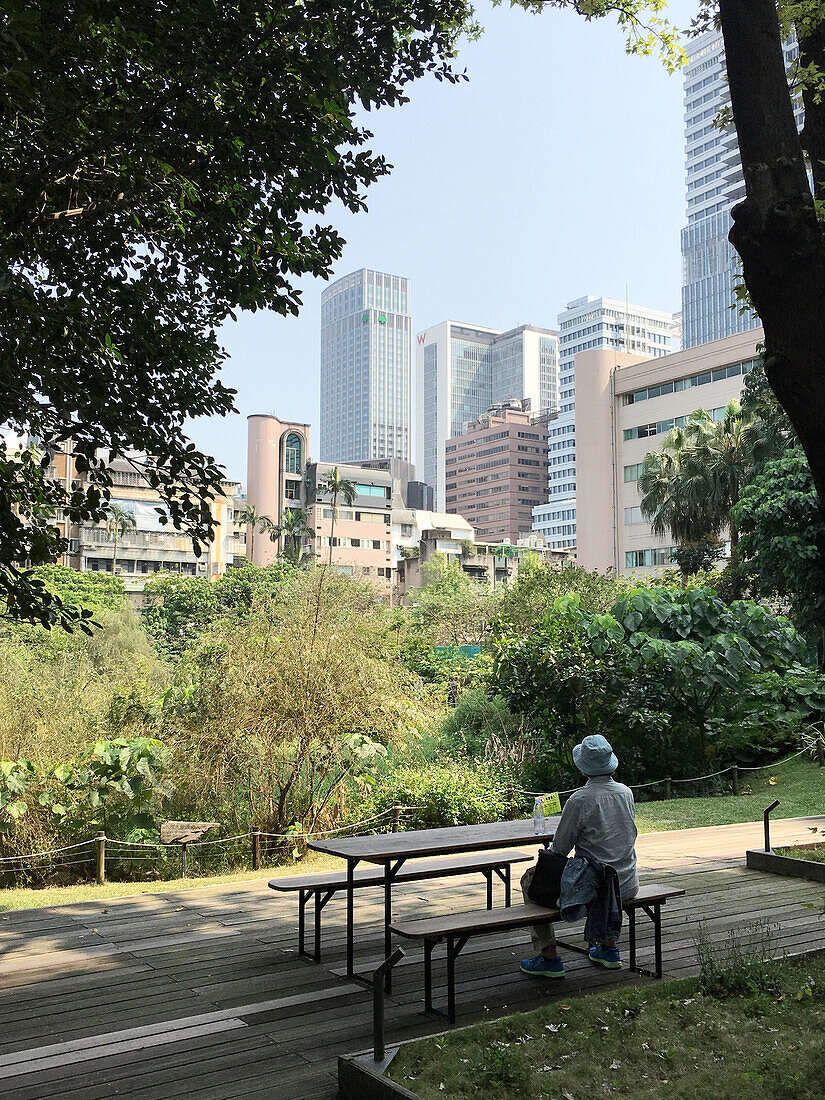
555	171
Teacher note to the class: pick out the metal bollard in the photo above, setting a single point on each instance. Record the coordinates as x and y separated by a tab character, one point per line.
765	819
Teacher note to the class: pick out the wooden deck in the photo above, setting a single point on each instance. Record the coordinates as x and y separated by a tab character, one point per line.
201	994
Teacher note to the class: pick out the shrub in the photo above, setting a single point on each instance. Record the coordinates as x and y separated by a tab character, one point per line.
670	677
440	794
739	966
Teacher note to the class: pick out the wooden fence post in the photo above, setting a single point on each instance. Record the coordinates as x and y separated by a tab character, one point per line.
396	817
734	775
256	847
100	858
668	791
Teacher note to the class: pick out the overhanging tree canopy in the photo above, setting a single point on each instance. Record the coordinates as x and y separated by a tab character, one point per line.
163	165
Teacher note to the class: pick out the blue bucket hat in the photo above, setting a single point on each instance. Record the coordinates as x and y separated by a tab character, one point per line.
595	756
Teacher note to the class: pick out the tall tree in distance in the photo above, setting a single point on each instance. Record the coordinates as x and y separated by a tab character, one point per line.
338	488
165	164
119	522
254	521
294	531
691	486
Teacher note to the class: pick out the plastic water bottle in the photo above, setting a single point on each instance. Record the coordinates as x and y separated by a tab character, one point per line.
539	823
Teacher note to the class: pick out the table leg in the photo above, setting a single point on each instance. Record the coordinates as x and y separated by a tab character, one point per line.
351	864
387	923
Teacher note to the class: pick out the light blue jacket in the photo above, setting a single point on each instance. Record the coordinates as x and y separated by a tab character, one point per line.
599	821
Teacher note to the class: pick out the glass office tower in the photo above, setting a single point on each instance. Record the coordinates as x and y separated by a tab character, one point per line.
587	323
714	184
366	368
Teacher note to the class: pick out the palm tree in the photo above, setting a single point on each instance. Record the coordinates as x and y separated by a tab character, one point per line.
118	522
338	488
294	531
254	520
690	486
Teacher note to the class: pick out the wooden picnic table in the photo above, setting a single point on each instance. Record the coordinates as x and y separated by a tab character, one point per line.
392	850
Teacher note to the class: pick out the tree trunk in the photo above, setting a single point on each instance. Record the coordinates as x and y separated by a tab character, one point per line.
114	554
775	228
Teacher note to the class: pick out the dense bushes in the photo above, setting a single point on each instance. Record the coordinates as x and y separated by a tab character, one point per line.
671	677
437	795
295	700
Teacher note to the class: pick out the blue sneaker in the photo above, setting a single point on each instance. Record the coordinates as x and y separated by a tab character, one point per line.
539	967
606	956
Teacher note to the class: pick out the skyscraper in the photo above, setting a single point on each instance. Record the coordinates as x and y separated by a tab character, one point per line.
461	370
366	368
714	184
587	323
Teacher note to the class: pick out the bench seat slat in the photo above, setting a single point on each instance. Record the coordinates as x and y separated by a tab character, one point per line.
414	871
518	916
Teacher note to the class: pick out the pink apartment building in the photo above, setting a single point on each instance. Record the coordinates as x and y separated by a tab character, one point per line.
496	472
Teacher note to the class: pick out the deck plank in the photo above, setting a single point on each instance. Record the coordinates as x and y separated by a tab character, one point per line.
202	994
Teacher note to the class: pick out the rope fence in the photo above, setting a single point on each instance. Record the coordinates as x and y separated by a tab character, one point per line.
103	849
732	769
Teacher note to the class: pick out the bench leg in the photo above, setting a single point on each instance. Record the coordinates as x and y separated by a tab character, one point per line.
303	896
454	946
428	975
488	874
657	934
632	937
507	886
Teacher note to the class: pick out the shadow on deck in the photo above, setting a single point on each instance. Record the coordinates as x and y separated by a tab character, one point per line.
201	993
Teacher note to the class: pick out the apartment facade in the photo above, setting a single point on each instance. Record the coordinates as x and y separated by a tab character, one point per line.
461	370
366	368
627	407
361	536
496	472
277	452
588	323
713	185
153	546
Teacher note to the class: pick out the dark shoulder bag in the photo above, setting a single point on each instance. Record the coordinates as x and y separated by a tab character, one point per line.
546	885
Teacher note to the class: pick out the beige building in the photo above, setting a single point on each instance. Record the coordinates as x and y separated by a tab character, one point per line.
624	408
152	546
496	471
362	536
277	453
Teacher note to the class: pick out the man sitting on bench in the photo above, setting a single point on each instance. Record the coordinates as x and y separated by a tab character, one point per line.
598	820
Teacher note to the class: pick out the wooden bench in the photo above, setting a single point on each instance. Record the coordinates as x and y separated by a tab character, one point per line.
457	928
324	885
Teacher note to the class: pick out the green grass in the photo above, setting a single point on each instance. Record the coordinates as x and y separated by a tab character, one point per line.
664	1039
815	853
799	785
24	897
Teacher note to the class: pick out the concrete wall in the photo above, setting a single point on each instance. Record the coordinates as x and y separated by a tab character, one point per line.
595	473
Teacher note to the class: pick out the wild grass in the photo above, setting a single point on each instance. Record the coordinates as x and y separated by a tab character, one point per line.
763	1040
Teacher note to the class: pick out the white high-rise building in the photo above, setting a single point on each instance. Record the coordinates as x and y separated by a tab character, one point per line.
714	184
461	370
366	368
587	323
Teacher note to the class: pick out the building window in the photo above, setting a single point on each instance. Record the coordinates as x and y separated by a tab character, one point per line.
292	455
292	490
371	491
